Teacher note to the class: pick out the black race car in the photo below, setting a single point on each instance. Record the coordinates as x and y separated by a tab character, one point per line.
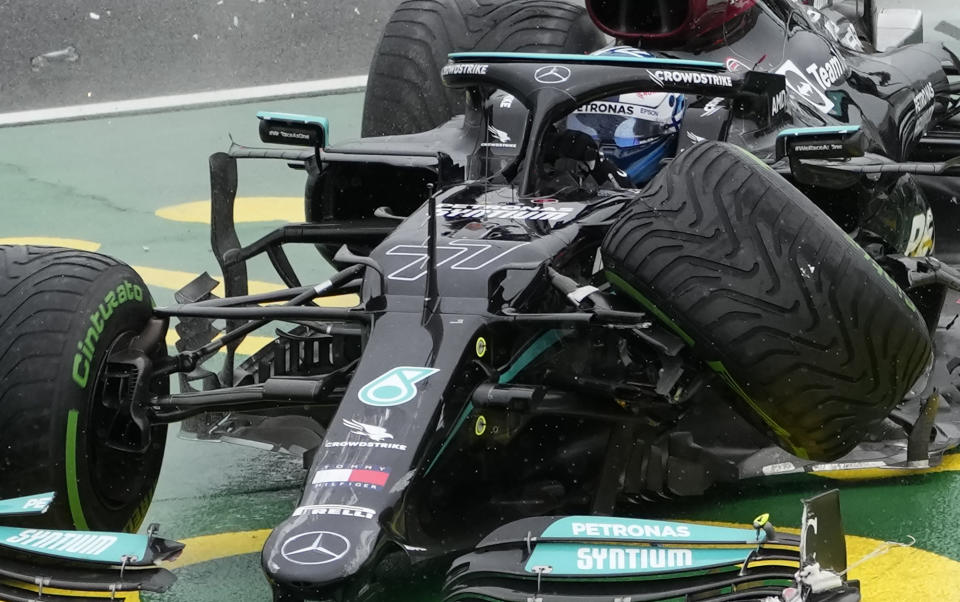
531	338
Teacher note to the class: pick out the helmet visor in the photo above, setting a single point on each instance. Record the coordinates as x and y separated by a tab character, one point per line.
624	133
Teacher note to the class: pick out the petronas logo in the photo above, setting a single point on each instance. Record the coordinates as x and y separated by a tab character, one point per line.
395	387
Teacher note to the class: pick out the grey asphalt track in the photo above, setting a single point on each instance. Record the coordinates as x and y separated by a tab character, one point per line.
106	50
126	49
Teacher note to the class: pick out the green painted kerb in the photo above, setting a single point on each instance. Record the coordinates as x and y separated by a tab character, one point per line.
721	370
73	492
623	285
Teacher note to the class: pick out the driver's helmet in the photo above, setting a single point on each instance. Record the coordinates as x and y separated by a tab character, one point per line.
664	23
637	130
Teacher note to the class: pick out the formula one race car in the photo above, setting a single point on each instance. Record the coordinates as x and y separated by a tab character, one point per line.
530	335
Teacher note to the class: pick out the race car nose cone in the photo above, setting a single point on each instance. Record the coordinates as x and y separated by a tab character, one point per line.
314	554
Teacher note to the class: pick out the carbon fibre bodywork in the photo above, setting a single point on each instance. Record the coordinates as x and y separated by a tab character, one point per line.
487	385
489	372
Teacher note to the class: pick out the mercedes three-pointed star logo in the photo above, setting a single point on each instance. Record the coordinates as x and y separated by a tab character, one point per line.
552	74
315	547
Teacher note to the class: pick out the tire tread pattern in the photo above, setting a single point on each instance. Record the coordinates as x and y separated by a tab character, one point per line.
43	291
819	339
35	286
404	92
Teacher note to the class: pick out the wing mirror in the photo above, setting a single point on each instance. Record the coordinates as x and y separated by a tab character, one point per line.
296	130
894	27
823	143
841	142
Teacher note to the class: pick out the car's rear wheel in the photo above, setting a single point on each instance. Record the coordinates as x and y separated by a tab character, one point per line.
817	342
405	94
62	313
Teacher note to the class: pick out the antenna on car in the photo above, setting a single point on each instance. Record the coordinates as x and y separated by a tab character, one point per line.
431	298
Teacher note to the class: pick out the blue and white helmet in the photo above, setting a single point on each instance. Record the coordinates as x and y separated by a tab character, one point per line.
637	130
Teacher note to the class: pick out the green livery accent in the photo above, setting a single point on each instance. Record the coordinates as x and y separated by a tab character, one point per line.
659	577
86	346
456	428
602	560
716	366
70	466
323	122
547	57
27	505
304	119
394	387
623	285
546	340
819	131
88	546
612	528
721	370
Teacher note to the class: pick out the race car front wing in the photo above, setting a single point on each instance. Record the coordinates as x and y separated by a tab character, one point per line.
43	565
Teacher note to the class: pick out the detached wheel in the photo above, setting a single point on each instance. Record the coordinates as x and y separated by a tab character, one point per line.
815	340
404	92
62	312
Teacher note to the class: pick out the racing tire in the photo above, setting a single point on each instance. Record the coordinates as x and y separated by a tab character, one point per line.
62	312
405	94
815	340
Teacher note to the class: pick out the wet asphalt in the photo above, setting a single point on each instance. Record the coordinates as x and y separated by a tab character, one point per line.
66	52
105	50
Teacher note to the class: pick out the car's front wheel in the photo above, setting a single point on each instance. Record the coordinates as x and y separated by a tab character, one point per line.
62	313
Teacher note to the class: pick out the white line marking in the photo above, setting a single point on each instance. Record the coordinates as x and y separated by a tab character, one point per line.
355	83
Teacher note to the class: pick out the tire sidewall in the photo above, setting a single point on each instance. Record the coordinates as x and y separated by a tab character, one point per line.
116	307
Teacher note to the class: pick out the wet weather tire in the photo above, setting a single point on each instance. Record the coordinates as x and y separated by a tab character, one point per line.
404	92
814	339
61	313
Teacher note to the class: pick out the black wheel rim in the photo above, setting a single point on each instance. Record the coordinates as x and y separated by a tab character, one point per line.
116	477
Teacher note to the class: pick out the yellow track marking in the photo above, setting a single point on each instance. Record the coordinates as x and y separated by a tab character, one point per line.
250	345
899	574
51	241
950	463
903	573
245	210
53	591
222	545
175	280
